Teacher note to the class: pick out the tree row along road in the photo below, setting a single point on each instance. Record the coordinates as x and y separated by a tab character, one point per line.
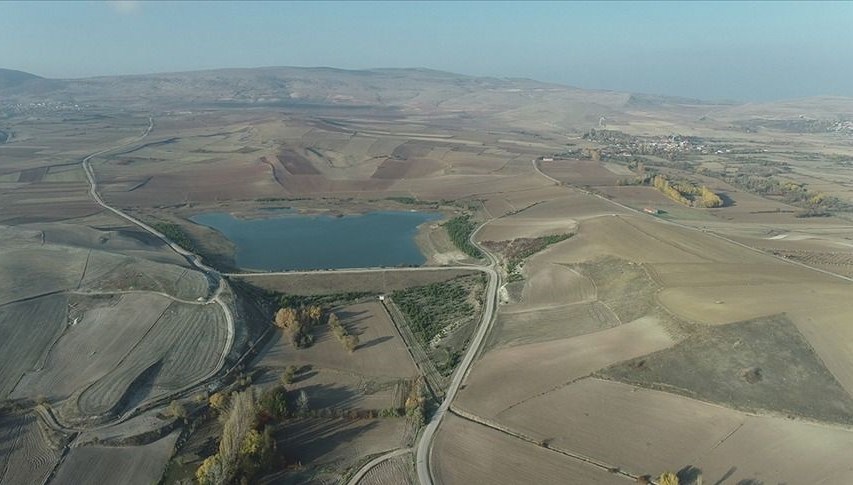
213	276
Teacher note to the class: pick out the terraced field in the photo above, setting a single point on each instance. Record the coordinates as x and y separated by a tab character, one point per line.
113	272
25	456
107	329
140	465
184	345
28	328
394	471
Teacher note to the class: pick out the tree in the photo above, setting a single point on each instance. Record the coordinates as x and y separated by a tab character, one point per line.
351	342
177	410
285	317
314	312
668	478
219	402
211	471
289	373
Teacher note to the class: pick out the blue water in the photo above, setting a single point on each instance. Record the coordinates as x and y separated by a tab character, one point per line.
300	242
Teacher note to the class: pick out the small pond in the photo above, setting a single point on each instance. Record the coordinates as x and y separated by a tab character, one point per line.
290	241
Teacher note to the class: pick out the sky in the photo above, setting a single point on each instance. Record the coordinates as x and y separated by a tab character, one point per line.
710	50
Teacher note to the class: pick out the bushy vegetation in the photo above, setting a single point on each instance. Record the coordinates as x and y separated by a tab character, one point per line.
460	229
432	307
350	341
287	300
517	250
175	234
668	478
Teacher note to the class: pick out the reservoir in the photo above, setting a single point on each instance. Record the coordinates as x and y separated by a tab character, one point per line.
289	241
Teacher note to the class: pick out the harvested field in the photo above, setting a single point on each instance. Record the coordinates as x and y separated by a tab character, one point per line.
727	446
28	328
547	284
526	371
28	273
622	426
553	323
519	226
25	456
107	329
622	286
141	465
381	352
762	365
183	345
738	274
465	452
111	272
580	172
394	471
329	447
332	283
771	450
569	204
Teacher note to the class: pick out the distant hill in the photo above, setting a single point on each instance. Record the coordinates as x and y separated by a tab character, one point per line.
10	78
514	103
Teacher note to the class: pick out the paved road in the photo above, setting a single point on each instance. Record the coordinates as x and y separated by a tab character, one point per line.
423	449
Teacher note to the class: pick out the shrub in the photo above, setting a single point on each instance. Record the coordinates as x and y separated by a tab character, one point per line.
668	478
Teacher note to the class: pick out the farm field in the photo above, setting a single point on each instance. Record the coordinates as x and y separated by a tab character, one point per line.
696	340
140	465
467	452
722	443
333	446
395	471
380	352
25	456
557	363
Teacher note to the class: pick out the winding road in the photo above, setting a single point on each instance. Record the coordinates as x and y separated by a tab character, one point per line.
423	449
212	275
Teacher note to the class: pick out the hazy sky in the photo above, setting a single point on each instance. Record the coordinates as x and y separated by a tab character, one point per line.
735	50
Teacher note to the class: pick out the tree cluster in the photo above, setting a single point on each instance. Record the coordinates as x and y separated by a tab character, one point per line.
460	229
297	322
416	401
246	448
350	341
687	193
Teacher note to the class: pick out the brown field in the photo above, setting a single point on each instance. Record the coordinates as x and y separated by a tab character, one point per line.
580	172
136	465
381	352
466	452
329	447
721	443
557	363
